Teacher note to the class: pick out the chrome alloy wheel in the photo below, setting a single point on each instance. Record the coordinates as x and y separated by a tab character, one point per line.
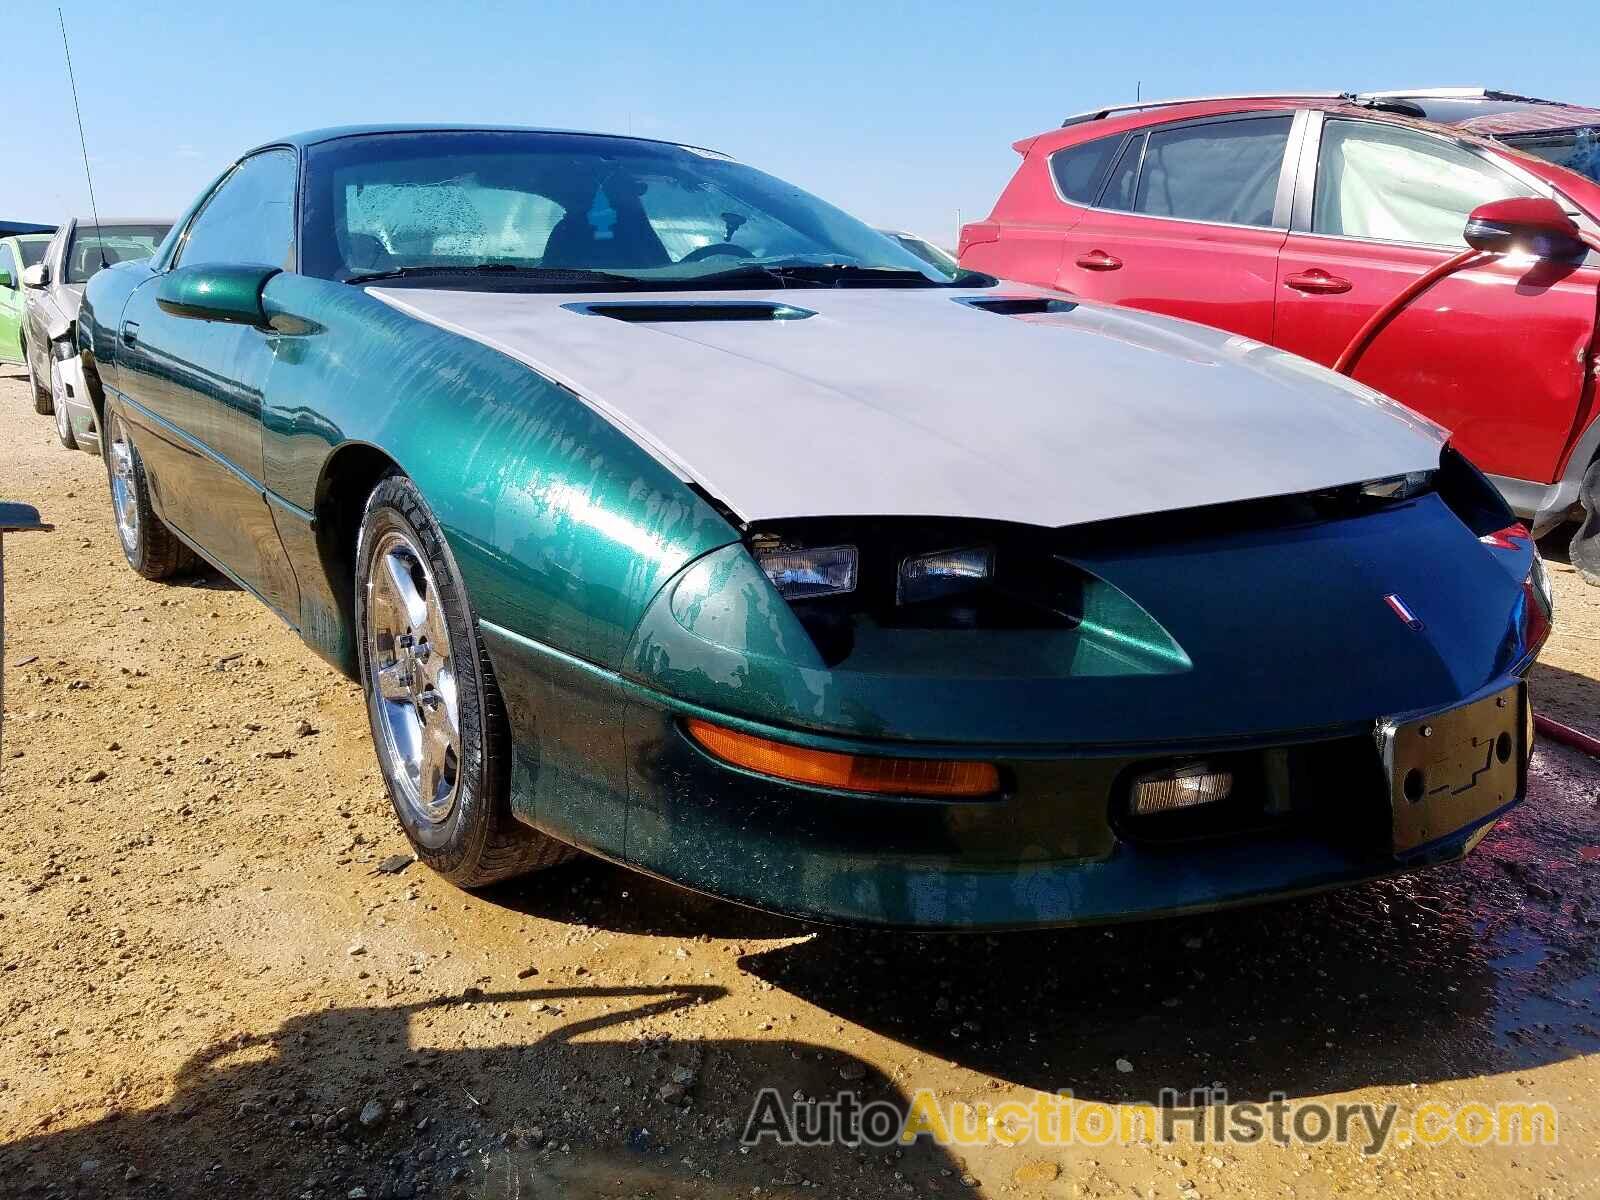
124	495
412	680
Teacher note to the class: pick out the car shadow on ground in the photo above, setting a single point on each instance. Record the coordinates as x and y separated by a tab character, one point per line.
603	1102
1566	696
1556	545
587	891
205	579
1462	970
1443	974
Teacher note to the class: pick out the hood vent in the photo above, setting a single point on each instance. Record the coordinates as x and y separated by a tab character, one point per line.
659	312
1018	306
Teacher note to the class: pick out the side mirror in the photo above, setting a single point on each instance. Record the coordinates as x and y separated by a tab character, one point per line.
35	276
216	293
6	282
1533	225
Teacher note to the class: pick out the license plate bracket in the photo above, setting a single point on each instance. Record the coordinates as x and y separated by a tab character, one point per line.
1451	769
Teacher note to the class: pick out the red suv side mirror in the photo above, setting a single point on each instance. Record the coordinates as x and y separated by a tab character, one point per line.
1532	224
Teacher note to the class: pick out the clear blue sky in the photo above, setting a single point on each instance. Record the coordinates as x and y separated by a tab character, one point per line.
901	113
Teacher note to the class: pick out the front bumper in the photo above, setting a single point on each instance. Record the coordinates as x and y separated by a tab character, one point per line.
1054	850
80	409
604	763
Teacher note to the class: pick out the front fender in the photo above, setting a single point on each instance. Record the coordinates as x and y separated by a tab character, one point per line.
564	529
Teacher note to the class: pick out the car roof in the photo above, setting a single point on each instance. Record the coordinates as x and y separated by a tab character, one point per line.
1119	119
107	222
1224	100
314	137
1478	110
1493	112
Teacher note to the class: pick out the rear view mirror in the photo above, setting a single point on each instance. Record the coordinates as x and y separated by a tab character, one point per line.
6	282
216	293
1532	225
35	276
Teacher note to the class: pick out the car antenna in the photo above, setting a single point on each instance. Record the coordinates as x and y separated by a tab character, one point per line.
99	241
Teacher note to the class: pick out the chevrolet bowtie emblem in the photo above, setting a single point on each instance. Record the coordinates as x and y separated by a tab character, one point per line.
1398	606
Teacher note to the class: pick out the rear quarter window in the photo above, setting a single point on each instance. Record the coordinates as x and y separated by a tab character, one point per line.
1124	176
1078	170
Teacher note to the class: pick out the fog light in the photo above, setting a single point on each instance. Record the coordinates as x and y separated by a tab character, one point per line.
847	772
1182	787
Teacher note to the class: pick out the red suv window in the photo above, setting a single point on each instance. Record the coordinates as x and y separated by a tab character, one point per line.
1079	169
1221	171
1392	184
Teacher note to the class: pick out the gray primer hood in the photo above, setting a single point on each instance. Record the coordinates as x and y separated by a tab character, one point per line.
908	402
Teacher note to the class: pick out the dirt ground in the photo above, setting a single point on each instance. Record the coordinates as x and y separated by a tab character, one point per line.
209	987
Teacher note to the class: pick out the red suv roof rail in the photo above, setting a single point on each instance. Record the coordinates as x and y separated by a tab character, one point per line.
1100	114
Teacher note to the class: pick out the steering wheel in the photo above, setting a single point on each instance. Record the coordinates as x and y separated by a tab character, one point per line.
713	250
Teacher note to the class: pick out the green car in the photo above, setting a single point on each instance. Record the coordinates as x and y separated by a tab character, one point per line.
666	512
17	254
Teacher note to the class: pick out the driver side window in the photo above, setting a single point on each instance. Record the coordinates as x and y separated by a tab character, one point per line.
249	218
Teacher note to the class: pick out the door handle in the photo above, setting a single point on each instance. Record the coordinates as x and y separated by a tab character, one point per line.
130	333
1098	260
1317	282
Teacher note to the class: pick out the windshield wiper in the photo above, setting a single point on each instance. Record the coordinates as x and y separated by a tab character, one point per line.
507	270
824	274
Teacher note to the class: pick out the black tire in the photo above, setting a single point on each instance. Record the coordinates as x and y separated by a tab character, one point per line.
150	547
478	842
63	420
41	395
1585	548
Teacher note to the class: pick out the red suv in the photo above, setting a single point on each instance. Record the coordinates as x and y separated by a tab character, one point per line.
1292	219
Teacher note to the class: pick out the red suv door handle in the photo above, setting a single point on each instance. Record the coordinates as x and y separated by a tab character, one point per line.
1318	282
1098	260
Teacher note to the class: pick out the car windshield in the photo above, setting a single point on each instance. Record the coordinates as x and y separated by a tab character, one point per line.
93	247
1576	149
543	210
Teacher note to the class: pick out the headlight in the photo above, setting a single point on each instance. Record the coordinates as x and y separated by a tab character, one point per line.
800	574
1398	487
934	576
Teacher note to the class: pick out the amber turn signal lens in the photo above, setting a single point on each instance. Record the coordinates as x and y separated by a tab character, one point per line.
847	772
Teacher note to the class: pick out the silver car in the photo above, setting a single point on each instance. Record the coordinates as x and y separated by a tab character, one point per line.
54	290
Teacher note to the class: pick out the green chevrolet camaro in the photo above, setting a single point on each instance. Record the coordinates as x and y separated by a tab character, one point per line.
666	512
